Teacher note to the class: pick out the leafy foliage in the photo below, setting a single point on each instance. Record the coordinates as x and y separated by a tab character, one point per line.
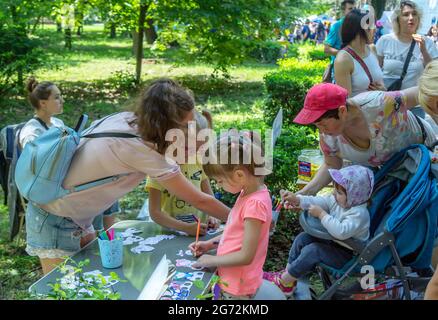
287	87
90	287
294	138
269	51
220	32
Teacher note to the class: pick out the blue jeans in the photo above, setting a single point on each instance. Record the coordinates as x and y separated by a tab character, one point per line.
307	252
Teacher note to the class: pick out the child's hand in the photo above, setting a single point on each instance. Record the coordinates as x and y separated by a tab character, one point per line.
201	247
192	228
213	223
316	211
290	199
205	261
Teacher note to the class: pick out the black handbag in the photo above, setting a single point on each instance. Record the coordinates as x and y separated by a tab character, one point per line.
397	84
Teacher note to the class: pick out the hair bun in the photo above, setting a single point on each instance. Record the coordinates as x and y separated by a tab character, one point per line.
31	84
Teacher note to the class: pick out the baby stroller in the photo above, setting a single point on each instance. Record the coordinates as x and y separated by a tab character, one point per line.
403	229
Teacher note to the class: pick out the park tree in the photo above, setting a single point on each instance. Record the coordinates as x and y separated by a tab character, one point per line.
223	32
18	53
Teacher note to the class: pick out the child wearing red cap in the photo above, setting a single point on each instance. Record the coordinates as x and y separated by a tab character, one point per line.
343	214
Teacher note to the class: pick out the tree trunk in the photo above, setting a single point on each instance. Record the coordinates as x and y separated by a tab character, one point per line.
58	26
112	30
79	17
139	49
35	25
67	38
134	36
151	35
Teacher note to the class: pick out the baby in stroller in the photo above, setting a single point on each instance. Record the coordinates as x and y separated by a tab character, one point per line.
344	214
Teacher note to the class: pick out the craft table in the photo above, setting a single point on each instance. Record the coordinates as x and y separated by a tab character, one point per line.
136	268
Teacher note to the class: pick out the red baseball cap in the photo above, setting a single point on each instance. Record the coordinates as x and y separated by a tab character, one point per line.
320	99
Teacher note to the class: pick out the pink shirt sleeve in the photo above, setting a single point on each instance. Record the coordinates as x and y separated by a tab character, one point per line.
256	209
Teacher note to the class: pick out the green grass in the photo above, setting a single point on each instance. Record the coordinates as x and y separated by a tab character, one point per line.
87	78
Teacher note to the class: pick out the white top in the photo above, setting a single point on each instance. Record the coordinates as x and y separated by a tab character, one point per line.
341	223
359	79
33	129
395	53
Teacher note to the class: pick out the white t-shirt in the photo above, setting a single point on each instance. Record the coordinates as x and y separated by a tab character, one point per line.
395	53
33	129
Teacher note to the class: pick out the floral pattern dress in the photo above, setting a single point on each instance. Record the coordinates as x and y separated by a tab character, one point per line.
392	127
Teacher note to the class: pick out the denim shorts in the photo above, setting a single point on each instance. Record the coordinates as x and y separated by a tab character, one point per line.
50	232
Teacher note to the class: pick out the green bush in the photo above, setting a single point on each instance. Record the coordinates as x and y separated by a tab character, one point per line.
307	52
293	139
122	81
287	88
18	56
318	54
269	51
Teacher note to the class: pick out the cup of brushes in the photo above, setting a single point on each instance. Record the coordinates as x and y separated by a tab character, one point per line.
111	249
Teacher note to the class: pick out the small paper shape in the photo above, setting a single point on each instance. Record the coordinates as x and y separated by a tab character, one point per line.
189	253
180	253
142	248
196	276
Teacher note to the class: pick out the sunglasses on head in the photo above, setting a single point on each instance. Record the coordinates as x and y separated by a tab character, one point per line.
407	3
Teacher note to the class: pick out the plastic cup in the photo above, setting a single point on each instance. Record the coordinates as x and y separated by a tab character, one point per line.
111	253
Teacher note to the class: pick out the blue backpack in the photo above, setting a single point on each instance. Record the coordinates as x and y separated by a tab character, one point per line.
44	162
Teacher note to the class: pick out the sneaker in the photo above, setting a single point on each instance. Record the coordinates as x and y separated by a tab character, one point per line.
275	278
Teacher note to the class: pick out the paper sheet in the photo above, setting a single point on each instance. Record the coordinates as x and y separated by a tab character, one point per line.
154	286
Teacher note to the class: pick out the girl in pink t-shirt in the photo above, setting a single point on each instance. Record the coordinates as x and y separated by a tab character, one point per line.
241	250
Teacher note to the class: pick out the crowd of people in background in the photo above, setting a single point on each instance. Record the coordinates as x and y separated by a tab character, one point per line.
317	30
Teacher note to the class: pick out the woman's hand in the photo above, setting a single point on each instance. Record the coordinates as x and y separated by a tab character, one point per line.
201	247
192	229
421	41
376	86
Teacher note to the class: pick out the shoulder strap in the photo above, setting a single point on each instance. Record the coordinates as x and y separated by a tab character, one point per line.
110	135
100	122
361	62
408	59
423	130
41	122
